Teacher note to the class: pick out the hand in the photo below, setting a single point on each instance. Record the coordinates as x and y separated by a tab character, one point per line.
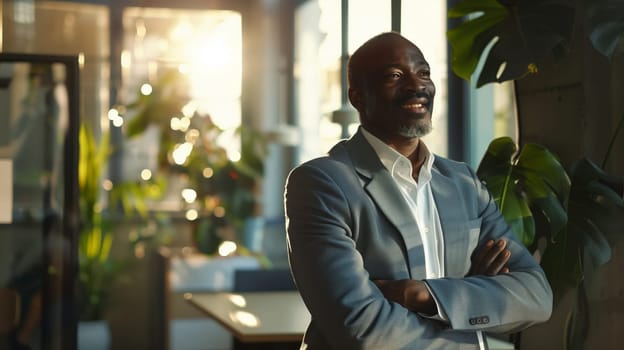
412	294
490	260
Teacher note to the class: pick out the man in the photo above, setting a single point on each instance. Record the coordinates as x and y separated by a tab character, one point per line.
392	247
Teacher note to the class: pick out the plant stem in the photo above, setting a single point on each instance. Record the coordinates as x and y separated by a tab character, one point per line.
612	141
506	187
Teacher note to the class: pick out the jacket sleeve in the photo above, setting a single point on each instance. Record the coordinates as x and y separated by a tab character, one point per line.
503	303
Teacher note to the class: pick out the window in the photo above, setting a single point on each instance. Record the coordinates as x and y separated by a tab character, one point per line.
80	29
424	23
192	60
318	50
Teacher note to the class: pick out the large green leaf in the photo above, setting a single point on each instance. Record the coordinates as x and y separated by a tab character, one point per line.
561	262
604	24
526	183
463	39
596	212
519	35
598	207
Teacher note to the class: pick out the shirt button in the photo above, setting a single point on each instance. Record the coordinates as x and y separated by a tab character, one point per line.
426	229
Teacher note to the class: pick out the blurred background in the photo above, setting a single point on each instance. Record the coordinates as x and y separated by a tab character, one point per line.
144	147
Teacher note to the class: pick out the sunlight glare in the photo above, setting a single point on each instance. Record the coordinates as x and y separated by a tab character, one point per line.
189	195
146	89
191	215
227	247
245	318
238	300
146	174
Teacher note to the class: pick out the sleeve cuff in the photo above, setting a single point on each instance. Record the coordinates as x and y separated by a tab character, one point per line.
440	316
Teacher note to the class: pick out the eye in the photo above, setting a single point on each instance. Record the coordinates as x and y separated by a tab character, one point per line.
425	73
393	75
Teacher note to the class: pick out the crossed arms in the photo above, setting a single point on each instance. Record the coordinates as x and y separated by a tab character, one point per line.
348	264
416	297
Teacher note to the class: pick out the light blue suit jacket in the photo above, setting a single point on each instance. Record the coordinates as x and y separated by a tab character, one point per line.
348	224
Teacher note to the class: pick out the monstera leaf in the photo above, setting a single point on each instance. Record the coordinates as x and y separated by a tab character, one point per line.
596	222
513	35
526	184
604	23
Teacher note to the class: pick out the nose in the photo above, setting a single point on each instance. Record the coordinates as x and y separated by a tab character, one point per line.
414	83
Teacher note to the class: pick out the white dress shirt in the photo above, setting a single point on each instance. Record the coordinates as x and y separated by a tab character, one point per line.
419	198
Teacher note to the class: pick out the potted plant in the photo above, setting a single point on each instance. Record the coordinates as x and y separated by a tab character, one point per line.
224	191
98	269
568	210
95	240
569	219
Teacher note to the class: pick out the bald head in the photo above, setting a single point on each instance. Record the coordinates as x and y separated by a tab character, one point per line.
359	60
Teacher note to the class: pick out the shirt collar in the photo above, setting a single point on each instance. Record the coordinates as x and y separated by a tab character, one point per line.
389	157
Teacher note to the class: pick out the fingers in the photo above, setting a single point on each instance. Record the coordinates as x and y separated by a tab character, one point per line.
491	259
477	262
497	258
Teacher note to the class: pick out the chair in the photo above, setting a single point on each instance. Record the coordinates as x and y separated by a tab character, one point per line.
263	280
9	316
9	310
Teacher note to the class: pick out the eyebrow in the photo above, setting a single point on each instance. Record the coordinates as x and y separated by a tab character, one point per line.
396	65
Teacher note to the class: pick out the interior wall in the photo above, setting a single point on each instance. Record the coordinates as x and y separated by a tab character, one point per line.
572	106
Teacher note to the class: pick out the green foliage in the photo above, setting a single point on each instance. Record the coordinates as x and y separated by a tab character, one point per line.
227	190
604	23
469	39
596	222
596	212
581	214
95	241
526	182
97	269
580	211
514	37
167	99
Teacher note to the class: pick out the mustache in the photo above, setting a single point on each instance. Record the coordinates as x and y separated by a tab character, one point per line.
404	98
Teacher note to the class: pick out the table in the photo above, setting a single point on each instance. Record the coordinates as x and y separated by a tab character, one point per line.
268	316
256	316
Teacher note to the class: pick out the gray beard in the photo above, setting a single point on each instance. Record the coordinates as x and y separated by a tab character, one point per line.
419	130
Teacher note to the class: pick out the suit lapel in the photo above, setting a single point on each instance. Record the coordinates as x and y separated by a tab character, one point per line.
446	197
386	194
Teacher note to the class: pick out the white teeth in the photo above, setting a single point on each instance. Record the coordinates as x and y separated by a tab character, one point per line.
415	105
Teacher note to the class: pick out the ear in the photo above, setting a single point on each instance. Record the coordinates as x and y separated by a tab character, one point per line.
356	99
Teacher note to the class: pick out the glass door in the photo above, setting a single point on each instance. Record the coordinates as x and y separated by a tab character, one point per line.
38	201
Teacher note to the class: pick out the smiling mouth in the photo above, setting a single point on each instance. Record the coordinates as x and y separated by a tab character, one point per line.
419	108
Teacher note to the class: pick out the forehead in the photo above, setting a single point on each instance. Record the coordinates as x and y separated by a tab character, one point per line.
393	51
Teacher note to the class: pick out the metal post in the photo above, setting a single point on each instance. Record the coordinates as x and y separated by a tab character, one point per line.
346	115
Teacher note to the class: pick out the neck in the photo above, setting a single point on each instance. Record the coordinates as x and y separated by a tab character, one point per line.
413	150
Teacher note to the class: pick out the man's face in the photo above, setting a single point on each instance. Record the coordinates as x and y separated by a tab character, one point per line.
395	98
